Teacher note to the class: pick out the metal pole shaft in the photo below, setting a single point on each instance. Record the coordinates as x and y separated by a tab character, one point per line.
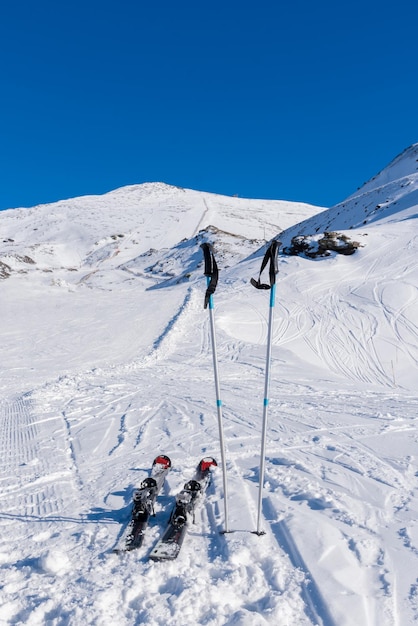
266	403
219	408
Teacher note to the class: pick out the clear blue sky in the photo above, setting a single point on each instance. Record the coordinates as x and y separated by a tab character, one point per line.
281	99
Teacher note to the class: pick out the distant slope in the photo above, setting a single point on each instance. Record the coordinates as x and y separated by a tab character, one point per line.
404	165
390	196
81	233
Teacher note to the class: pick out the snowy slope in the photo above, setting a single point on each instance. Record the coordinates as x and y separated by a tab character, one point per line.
126	241
389	197
106	361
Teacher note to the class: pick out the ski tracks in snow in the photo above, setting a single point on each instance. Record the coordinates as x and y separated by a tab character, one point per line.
38	503
361	327
327	525
36	457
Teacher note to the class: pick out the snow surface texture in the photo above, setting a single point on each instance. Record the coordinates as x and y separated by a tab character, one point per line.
106	361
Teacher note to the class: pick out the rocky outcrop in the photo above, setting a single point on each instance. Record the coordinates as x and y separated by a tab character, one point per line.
5	270
313	246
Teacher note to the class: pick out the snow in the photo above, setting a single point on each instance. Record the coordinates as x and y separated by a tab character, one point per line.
106	361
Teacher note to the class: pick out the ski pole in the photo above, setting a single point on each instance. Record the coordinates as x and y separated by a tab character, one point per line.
211	273
270	256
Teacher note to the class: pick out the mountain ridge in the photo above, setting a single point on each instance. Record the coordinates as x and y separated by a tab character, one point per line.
384	198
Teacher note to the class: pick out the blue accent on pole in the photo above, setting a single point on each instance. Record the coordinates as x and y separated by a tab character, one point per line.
266	401
211	303
218	402
272	295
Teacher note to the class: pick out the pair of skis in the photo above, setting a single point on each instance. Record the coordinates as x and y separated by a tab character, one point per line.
187	501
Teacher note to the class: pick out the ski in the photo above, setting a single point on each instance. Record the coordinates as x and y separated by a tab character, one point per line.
143	505
187	501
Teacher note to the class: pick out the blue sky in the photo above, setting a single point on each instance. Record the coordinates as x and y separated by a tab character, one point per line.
280	99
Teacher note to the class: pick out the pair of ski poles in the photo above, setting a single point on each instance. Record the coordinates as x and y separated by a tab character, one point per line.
211	273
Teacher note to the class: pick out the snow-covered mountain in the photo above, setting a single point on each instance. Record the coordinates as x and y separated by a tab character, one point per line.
84	232
106	361
389	197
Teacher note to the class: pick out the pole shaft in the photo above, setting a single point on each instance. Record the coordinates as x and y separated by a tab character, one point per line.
219	407
266	403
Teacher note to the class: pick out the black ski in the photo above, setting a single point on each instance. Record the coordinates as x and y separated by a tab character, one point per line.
143	505
187	501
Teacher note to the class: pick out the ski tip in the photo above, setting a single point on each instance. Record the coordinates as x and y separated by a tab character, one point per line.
163	460
206	463
165	552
